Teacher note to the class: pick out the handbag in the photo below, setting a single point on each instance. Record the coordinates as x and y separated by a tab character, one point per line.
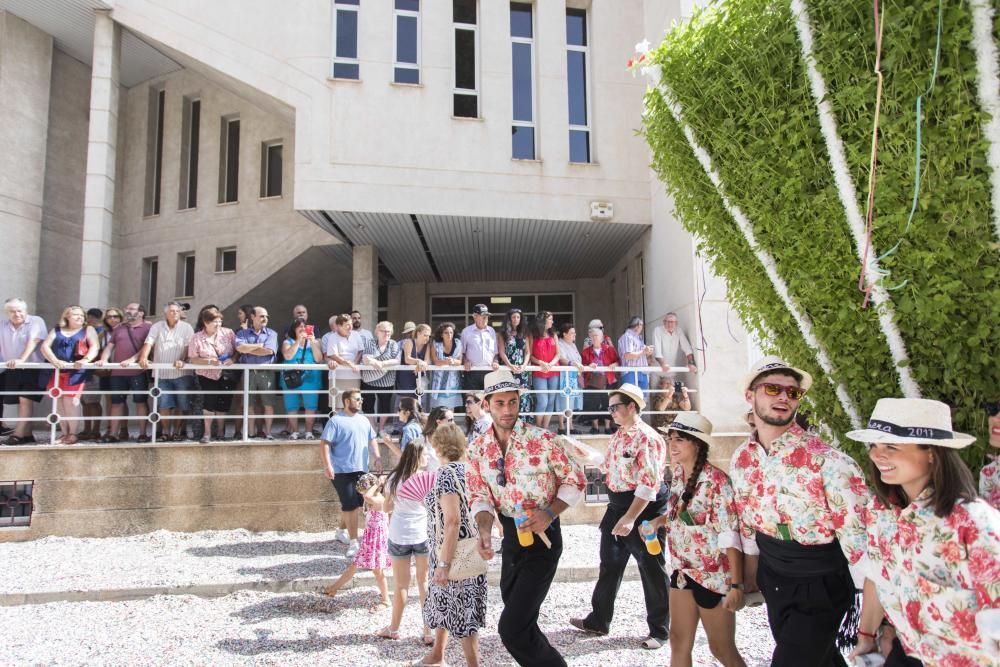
81	349
295	378
466	562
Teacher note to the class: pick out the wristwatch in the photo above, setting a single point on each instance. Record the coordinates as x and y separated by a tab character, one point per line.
443	563
737	587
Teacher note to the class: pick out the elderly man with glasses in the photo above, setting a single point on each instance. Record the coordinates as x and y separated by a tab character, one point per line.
21	335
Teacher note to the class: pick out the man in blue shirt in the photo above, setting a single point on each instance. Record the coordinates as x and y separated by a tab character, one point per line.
345	442
258	345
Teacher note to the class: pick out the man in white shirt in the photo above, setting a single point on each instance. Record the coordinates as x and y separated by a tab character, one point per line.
168	339
343	352
667	341
366	335
20	337
479	348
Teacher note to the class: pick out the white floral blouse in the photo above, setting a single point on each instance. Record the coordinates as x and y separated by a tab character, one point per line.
937	578
804	484
699	550
635	461
989	483
535	471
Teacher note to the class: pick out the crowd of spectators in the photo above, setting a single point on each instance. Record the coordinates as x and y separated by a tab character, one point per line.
103	360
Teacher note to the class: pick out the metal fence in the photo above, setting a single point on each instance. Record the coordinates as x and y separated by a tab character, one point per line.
53	419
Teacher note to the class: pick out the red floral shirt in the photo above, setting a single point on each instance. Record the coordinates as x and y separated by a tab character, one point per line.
699	551
635	460
937	578
536	471
989	483
817	491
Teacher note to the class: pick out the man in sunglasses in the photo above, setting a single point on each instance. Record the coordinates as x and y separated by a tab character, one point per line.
801	505
989	477
512	467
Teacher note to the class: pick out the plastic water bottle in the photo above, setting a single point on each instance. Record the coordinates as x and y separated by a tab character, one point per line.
869	660
524	537
649	536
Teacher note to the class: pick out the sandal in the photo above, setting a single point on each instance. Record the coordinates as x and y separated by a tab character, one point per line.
428	637
386	633
652	643
109	438
69	440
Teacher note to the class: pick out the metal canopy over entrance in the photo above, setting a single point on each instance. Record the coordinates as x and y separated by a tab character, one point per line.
432	248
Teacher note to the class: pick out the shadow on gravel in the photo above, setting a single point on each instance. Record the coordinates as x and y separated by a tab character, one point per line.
318	567
299	605
272	548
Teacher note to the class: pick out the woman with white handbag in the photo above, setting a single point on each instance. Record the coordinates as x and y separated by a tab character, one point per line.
456	597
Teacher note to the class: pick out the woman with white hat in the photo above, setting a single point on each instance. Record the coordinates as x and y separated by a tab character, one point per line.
934	547
706	553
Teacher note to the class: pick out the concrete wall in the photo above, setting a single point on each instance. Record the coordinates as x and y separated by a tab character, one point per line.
66	165
267	232
25	71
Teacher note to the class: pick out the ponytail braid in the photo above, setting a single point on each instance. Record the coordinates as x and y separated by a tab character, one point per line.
699	465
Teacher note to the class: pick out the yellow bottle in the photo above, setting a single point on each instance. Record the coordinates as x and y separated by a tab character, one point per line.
649	536
524	537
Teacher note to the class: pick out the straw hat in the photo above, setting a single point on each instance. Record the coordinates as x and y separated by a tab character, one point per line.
408	327
770	364
633	392
500	380
917	421
692	424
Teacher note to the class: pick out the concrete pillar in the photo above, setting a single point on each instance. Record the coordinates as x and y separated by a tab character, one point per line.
99	201
364	296
25	79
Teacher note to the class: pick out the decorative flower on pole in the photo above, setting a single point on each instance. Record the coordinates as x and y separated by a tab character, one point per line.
641	60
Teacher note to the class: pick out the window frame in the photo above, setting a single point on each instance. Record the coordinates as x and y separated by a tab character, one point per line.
466	92
341	6
533	124
187	291
220	264
396	63
190	153
224	194
150	281
265	171
588	105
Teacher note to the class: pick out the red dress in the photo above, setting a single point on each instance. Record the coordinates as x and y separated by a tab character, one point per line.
545	349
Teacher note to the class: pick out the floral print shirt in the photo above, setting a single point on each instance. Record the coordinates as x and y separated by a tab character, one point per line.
202	346
635	460
699	551
535	471
989	483
817	491
936	578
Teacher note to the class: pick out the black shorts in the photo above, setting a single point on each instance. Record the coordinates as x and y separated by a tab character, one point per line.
596	402
21	381
703	597
346	484
372	403
138	384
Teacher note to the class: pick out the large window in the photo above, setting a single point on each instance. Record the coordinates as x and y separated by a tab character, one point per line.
225	260
154	150
522	45
466	93
406	19
185	275
271	159
190	128
577	54
150	269
229	160
458	309
345	39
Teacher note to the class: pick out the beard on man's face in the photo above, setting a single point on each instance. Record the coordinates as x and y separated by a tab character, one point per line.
773	420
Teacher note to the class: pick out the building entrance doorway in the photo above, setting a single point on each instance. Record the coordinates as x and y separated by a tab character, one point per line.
458	308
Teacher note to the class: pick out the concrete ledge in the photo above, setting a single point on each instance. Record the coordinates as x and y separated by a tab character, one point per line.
563	575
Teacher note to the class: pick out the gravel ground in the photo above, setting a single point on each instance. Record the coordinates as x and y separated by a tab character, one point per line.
164	558
252	628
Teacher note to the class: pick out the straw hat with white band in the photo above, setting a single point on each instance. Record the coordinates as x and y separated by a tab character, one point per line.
916	421
691	424
499	381
772	364
632	391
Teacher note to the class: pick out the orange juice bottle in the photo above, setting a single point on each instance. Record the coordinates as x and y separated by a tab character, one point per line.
524	537
649	536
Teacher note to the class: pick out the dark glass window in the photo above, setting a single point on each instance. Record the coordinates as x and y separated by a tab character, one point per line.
520	20
449	305
346	71
231	191
406	75
579	146
192	184
348	2
523	142
556	303
465	59
576	27
466	106
522	84
408	5
347	34
576	66
273	160
406	39
464	11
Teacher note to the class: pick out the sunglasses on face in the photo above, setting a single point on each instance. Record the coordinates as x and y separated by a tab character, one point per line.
793	393
992	408
471	401
613	407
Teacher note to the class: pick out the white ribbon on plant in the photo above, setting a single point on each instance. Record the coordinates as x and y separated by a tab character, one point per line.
849	200
988	88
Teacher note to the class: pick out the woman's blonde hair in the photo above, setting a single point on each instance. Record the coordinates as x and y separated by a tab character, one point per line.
449	441
64	318
422	328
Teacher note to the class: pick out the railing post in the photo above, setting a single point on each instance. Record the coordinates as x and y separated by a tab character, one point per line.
55	407
154	409
246	406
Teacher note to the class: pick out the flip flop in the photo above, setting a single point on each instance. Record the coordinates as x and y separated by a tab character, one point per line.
386	633
652	643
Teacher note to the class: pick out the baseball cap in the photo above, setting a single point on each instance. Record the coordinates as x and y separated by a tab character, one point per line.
480	309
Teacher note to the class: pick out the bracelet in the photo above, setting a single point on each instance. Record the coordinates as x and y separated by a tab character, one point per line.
870	635
549	512
443	563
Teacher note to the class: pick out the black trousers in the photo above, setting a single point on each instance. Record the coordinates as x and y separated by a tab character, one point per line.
615	553
897	657
805	614
473	380
525	577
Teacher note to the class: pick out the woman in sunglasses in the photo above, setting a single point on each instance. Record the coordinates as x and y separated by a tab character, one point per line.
477	419
801	505
989	477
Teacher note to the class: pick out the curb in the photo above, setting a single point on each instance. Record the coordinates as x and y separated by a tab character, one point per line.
305	585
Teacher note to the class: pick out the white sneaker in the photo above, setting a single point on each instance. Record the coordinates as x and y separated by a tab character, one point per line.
352	549
294	436
341	536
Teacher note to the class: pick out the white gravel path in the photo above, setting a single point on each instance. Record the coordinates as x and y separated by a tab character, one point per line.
252	628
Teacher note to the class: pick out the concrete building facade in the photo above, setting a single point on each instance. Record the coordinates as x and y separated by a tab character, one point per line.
396	156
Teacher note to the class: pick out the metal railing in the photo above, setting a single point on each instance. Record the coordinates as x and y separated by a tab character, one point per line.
53	419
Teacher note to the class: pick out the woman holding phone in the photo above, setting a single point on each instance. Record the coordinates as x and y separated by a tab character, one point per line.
301	347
